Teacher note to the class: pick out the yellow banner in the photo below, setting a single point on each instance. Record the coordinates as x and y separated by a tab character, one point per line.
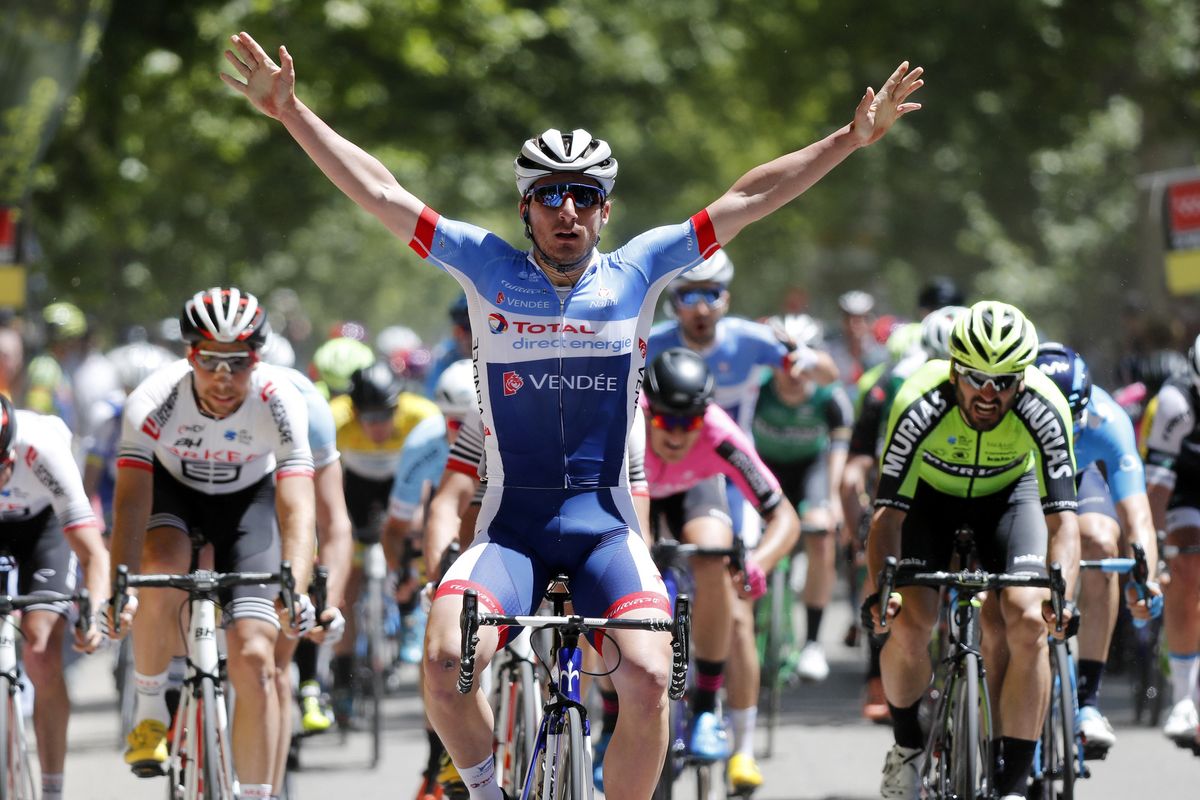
12	285
1183	271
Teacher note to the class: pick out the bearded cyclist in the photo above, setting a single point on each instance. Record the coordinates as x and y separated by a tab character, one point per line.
559	342
984	440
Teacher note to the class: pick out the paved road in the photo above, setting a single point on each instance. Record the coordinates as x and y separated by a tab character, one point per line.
825	750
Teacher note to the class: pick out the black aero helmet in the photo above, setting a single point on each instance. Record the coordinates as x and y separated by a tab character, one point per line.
938	292
8	426
678	382
374	388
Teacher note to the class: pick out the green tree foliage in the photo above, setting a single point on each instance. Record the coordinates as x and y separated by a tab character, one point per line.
1018	176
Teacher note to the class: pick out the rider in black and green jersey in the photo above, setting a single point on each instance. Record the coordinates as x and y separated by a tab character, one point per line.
982	440
801	430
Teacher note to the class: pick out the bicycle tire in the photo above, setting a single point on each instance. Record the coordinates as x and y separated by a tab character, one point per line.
126	694
773	649
965	757
374	684
7	785
22	763
1058	731
218	778
565	766
666	776
519	731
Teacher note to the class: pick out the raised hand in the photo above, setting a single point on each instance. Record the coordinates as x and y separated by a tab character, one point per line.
270	87
876	113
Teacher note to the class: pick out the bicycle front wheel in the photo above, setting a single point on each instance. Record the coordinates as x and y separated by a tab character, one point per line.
970	760
564	773
772	646
517	729
376	666
217	773
1058	731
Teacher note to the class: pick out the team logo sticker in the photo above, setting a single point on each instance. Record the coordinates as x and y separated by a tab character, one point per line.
499	298
512	383
497	323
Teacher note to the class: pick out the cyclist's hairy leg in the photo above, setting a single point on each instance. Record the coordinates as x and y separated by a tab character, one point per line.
1014	652
1181	605
639	743
285	649
712	605
156	629
1099	593
822	559
904	660
42	654
463	721
345	646
251	652
742	670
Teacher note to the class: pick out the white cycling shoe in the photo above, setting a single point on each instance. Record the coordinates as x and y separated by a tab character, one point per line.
1181	723
901	774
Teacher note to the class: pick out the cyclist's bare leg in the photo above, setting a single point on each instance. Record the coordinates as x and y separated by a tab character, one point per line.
904	660
639	743
463	721
345	646
712	605
251	652
165	551
1181	604
42	653
1014	652
822	559
742	669
285	648
1098	592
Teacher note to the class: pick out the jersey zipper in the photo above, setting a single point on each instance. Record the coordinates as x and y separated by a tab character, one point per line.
978	451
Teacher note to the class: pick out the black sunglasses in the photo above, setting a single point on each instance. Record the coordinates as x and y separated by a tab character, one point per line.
553	195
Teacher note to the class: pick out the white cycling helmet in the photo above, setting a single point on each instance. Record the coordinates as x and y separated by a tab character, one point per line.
455	390
553	153
717	268
278	351
397	338
800	329
935	330
224	315
137	361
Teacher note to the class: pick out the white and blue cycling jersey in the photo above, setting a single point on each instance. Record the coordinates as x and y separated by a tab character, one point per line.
558	371
322	430
739	350
1107	438
422	461
558	377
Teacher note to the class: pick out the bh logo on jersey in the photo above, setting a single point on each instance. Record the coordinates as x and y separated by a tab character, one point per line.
512	383
497	323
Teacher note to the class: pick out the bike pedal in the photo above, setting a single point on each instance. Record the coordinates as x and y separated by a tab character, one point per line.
1094	753
148	769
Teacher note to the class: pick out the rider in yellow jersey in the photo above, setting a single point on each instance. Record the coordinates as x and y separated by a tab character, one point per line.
373	422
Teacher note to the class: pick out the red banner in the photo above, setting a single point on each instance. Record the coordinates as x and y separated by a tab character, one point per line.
1183	203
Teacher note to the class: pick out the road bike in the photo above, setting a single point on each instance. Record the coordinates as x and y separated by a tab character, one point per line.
16	758
560	764
200	761
959	762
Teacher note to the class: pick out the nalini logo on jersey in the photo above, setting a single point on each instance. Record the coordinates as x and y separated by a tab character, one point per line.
497	323
605	297
512	383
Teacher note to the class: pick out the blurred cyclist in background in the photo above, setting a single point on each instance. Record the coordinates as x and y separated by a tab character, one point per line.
335	361
456	346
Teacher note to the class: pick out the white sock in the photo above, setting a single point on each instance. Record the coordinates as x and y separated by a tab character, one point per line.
151	697
255	791
481	780
1185	670
743	720
52	786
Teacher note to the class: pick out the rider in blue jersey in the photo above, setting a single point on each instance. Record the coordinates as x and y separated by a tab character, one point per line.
559	338
1113	510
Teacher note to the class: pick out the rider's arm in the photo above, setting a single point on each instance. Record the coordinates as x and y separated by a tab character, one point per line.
1173	420
271	89
132	501
334	532
1064	546
1138	522
768	187
780	536
88	546
445	514
295	504
883	540
836	461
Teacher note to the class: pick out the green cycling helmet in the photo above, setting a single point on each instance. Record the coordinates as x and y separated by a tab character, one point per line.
64	321
993	337
338	359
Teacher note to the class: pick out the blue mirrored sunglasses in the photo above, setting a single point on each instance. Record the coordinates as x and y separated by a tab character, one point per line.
553	195
977	379
712	295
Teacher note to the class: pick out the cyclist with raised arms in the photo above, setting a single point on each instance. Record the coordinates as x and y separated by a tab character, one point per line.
1173	484
985	441
48	528
1113	510
216	448
559	335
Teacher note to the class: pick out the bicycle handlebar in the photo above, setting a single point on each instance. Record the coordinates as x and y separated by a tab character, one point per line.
201	582
82	599
976	581
470	621
667	551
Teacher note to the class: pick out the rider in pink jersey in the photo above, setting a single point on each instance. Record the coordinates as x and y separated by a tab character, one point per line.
693	446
